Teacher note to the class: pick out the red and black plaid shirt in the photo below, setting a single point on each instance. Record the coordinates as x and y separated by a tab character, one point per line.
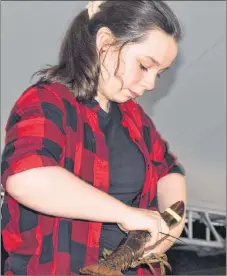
49	127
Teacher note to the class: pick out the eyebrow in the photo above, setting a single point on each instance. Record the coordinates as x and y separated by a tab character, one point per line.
155	61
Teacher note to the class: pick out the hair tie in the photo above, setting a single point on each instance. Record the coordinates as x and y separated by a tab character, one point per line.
93	8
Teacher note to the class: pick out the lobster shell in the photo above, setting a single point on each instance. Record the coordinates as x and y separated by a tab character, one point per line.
132	248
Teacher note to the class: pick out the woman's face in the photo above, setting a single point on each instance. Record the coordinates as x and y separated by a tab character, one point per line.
140	65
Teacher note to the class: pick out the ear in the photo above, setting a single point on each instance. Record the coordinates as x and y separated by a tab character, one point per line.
104	39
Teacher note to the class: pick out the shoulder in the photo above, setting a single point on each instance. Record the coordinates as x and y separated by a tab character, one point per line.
47	94
44	100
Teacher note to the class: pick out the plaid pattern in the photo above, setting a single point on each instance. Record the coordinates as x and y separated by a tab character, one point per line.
48	127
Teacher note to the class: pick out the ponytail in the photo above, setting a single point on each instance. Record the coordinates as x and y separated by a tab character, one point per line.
78	67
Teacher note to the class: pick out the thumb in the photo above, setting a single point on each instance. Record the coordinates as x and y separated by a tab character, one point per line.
122	228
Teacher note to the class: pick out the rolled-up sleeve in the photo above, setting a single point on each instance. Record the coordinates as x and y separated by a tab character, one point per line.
166	161
163	158
35	135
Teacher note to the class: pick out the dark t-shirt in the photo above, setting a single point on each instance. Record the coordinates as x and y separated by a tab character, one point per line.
127	170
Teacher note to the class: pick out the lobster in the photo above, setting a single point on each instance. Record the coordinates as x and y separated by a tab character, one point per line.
132	252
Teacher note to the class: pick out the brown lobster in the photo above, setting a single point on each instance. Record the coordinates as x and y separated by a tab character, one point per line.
131	251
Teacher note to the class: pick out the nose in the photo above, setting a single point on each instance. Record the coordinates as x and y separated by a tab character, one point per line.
149	82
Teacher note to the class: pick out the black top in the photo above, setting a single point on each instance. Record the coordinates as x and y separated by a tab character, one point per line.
127	170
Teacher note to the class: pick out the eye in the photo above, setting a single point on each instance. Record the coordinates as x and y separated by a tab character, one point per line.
143	68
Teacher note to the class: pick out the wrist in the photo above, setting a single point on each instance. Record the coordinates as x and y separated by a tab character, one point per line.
125	215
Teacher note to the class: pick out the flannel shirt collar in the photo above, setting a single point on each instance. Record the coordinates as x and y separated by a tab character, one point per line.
95	106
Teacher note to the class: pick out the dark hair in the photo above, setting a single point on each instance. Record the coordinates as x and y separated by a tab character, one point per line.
79	66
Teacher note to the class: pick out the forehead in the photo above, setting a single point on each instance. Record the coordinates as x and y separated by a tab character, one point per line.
157	45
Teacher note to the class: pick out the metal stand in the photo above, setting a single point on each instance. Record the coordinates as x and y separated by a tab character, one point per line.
212	243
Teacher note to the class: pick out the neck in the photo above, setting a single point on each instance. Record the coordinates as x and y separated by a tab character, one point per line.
104	102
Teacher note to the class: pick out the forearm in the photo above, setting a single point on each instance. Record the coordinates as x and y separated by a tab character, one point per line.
171	188
55	191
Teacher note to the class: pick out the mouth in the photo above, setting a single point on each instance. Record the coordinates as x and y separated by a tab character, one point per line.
133	94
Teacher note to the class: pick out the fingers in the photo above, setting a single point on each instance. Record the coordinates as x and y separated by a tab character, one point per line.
154	237
122	228
143	219
164	228
154	230
158	230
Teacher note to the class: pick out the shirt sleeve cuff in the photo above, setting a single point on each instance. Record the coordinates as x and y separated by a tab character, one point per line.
177	168
25	163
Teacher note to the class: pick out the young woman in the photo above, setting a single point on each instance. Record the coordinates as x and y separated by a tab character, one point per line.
82	159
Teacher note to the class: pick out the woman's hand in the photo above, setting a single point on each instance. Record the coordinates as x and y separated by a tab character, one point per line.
142	219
